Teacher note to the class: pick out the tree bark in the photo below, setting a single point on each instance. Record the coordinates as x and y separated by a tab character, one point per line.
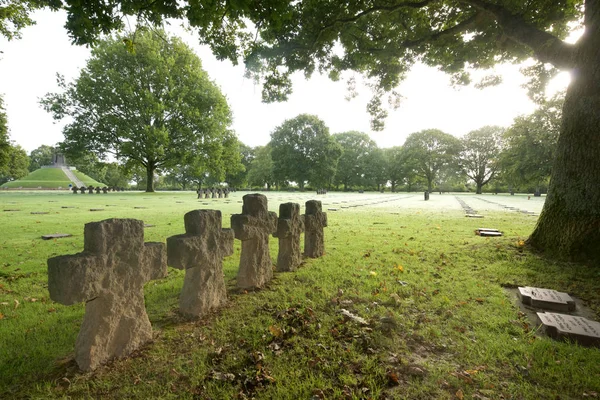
479	186
569	225
150	178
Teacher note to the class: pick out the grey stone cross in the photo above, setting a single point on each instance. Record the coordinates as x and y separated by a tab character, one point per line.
109	275
253	227
200	252
314	222
289	227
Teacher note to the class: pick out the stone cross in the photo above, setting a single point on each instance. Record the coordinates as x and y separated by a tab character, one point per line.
109	275
97	189
289	227
253	227
214	193
200	252
74	189
104	190
314	222
91	189
82	189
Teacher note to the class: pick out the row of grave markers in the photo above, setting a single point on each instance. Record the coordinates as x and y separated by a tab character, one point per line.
97	189
213	193
109	275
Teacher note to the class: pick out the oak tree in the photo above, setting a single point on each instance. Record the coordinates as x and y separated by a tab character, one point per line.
151	105
429	151
480	153
303	151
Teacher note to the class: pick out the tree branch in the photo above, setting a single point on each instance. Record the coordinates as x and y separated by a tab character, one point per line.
546	47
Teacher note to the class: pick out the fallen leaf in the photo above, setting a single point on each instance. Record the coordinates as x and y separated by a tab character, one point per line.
393	378
51	310
1	316
275	331
479	300
16	303
459	394
400	268
373	273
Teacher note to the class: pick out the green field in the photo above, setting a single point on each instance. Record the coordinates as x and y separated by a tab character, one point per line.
440	321
49	178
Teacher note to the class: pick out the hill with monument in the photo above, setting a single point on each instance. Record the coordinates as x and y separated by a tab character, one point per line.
58	175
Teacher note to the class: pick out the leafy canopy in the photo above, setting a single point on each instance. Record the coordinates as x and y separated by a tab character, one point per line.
153	106
302	150
380	39
480	152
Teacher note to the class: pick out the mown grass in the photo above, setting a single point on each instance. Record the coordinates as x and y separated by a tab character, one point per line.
439	323
49	178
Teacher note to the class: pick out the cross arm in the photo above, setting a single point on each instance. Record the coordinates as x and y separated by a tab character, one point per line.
75	278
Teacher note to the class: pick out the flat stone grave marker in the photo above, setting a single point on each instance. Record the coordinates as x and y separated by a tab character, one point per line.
67	207
474	216
11	210
546	298
56	236
179	202
140	207
253	227
570	327
109	276
332	209
39	212
200	252
149	225
487	232
96	209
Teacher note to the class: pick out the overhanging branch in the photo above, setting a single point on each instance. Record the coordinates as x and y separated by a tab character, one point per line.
546	47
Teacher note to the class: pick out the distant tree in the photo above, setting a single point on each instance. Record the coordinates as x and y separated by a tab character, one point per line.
429	151
302	150
41	156
17	164
357	148
147	102
480	153
260	172
394	168
115	175
375	170
5	146
240	178
530	145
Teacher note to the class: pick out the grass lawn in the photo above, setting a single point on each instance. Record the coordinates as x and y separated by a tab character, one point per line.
439	321
50	178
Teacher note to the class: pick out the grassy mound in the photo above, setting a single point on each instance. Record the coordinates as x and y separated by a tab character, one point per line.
49	178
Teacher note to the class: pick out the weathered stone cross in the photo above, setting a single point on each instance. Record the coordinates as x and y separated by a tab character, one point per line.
253	227
200	252
314	222
289	227
109	275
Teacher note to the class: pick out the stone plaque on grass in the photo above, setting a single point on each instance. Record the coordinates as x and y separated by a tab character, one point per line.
56	236
487	232
562	326
546	298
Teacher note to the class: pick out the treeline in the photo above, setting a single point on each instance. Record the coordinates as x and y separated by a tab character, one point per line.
303	154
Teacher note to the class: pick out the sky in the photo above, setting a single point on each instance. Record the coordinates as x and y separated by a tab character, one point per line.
28	68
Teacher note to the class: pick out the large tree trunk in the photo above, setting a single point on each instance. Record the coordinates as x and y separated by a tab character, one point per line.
149	178
569	224
479	186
